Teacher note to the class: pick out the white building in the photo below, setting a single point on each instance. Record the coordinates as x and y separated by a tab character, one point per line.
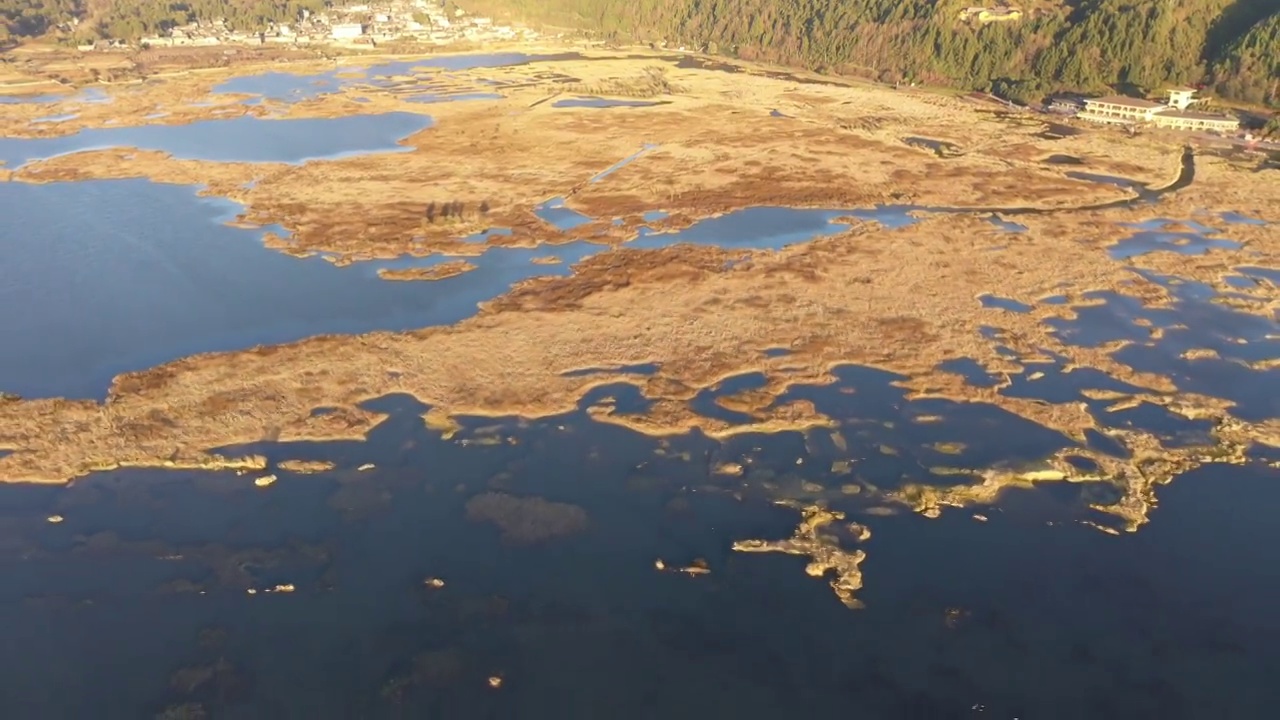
1173	114
1181	97
346	31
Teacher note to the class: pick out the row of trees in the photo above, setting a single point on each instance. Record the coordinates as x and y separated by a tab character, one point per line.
1078	44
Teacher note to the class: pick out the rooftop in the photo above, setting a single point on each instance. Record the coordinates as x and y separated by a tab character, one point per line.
1126	101
1196	115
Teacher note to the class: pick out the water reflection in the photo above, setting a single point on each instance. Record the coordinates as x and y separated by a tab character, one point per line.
1152	236
378	591
201	285
1203	345
240	139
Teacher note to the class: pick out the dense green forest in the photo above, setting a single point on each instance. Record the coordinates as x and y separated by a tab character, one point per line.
1085	45
1056	44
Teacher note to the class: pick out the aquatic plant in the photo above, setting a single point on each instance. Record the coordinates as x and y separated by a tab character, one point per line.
526	520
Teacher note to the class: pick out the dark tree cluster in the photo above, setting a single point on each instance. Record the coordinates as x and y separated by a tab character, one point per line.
453	210
1084	45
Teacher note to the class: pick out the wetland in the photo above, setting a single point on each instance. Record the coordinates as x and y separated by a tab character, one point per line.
627	384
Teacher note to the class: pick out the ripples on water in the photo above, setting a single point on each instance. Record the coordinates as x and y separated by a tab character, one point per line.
346	619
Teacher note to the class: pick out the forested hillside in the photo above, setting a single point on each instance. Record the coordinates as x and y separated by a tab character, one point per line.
1086	45
1055	44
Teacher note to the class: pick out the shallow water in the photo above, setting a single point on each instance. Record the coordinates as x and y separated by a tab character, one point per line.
772	227
289	87
1003	303
240	139
1184	243
555	213
109	276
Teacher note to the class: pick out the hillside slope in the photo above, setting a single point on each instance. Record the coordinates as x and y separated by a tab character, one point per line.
1086	45
1072	44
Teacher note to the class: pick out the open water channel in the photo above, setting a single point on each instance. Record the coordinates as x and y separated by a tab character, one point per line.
404	581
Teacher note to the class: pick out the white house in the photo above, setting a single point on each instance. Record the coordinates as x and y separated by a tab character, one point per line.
346	31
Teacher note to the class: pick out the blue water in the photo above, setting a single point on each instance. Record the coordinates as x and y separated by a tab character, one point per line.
1184	243
456	97
107	276
1236	218
1002	303
241	139
289	87
1026	615
554	212
771	227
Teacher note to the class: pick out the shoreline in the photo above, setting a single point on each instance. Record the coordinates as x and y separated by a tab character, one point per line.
898	299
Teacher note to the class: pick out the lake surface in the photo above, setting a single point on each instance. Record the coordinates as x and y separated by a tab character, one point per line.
127	274
240	139
1027	614
418	75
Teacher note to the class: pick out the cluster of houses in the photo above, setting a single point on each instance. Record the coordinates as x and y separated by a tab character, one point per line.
425	21
992	14
1175	113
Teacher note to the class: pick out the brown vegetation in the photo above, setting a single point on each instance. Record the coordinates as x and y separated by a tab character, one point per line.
903	300
489	163
451	268
526	520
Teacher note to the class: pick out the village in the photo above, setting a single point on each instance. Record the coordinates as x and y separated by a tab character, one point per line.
423	21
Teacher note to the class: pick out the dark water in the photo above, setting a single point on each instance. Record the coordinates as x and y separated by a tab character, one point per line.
138	599
127	593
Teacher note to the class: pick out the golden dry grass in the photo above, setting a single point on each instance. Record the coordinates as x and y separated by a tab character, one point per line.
902	300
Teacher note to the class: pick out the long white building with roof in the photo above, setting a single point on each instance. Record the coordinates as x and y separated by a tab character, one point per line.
1173	114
